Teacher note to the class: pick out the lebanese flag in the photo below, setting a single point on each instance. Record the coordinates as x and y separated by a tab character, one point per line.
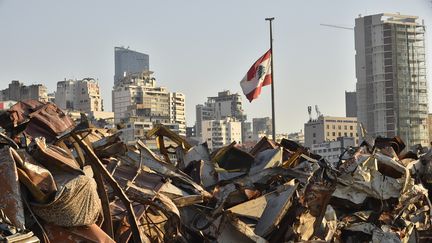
259	75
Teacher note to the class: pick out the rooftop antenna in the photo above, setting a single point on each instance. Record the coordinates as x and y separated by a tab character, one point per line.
310	112
317	111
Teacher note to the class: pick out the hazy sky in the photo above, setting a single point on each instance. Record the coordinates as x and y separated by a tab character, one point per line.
198	47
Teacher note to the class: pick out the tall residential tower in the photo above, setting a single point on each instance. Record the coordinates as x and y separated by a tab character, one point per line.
391	76
128	62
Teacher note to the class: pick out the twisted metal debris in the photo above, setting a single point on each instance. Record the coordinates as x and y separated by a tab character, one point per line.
68	182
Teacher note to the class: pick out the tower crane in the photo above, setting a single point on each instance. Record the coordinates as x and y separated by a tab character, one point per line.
337	26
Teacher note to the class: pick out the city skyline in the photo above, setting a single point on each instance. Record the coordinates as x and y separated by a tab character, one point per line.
199	50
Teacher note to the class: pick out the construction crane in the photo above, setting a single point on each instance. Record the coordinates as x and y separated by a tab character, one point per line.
337	26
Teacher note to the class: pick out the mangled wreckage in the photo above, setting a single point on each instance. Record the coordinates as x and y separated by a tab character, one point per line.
67	182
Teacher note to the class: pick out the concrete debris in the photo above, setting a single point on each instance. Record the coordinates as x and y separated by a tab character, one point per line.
67	182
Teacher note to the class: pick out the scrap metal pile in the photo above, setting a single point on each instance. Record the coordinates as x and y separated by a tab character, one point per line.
67	182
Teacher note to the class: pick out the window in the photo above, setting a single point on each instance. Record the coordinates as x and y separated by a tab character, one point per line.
314	135
334	127
345	134
339	127
351	127
345	127
334	134
339	134
328	126
351	134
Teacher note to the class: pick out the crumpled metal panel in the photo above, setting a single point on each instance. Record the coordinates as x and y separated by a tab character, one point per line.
275	210
262	145
36	177
266	159
53	156
234	230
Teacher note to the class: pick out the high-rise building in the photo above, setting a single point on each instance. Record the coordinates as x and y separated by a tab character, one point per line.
128	62
329	128
139	104
218	133
247	134
17	91
430	128
391	76
262	127
79	95
350	104
218	108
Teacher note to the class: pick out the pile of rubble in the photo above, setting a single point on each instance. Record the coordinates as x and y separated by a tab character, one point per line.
67	182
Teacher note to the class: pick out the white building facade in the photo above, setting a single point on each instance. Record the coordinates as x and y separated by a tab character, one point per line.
218	133
224	105
79	95
139	104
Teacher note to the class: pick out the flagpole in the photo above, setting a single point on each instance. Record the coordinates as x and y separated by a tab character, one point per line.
272	83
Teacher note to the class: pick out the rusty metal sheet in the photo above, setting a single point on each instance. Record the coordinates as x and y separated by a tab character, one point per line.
90	233
53	156
39	179
48	121
10	199
19	113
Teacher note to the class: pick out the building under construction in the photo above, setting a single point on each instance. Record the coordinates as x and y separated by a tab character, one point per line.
391	76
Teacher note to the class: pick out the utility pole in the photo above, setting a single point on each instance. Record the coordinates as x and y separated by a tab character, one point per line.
272	83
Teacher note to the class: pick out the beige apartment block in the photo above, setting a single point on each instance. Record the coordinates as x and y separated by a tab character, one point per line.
17	91
330	128
140	104
79	95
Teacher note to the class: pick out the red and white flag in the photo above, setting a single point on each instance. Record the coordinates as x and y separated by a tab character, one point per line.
259	75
